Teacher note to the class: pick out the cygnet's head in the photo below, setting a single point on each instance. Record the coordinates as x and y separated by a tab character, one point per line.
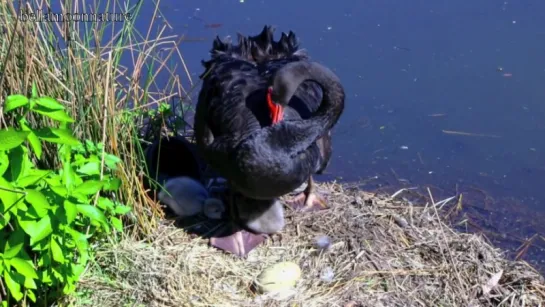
261	216
184	195
214	208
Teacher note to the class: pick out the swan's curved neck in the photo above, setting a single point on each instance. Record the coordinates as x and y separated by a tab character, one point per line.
288	78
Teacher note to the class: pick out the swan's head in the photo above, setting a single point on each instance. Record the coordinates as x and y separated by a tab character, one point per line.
282	86
276	105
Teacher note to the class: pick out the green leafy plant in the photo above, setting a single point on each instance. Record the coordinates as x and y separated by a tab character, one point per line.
166	118
48	217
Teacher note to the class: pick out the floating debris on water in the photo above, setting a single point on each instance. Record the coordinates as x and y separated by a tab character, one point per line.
437	114
402	48
213	25
470	134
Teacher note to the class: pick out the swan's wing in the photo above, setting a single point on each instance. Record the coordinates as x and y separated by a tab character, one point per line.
201	127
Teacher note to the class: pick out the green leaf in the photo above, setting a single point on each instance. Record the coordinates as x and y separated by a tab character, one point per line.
14	244
58	275
49	103
70	210
11	138
58	255
111	161
21	206
29	293
81	243
19	163
68	288
53	180
59	136
38	202
34	90
8	196
92	213
122	210
118	225
105	204
24	267
30	283
112	184
45	259
4	162
77	270
84	199
89	187
40	230
69	177
91	147
34	141
58	115
46	277
13	286
33	177
78	158
15	101
90	168
4	219
27	223
59	190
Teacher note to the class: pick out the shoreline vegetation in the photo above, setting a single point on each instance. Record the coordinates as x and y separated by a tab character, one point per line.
122	88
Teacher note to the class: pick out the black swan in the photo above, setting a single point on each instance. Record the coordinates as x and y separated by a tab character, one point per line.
263	122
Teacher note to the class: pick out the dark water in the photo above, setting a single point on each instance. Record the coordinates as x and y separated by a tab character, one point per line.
411	70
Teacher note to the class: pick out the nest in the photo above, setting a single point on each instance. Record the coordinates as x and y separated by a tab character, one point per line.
379	252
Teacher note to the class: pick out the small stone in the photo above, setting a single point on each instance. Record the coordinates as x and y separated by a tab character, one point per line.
323	242
327	274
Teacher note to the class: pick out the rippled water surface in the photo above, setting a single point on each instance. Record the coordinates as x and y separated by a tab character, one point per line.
442	94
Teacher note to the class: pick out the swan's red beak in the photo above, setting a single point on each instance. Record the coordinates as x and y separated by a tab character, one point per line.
276	110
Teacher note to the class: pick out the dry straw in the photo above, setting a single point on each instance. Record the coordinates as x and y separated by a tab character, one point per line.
383	252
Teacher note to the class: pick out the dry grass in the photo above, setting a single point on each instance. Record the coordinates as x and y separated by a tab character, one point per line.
384	252
107	74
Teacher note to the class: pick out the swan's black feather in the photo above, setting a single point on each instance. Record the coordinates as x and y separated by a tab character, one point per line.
232	122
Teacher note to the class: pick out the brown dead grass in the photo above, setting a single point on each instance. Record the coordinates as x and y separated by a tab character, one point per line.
384	252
